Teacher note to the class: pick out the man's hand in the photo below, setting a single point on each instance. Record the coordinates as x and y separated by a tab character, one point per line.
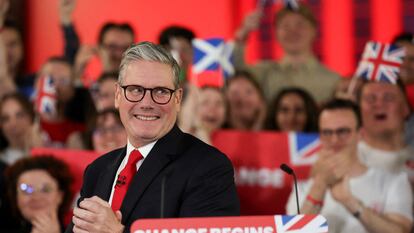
251	22
341	192
66	8
323	169
84	55
343	161
96	215
105	58
332	166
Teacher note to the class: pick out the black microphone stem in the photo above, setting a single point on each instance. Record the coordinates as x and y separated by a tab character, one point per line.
296	192
162	196
290	171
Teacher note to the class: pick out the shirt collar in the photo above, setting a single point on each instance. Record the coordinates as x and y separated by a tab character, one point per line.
311	63
144	150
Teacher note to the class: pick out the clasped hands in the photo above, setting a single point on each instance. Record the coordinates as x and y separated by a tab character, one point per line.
96	215
331	170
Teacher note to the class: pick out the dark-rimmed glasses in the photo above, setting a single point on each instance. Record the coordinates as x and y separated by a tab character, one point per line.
341	133
135	93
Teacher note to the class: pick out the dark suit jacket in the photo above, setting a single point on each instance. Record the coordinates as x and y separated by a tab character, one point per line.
198	181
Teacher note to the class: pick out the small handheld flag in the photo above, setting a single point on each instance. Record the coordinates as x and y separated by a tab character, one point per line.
380	62
46	97
212	60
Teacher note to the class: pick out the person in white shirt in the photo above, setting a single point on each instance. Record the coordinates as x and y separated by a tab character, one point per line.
384	109
352	197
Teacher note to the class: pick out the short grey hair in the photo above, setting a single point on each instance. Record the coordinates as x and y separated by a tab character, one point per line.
147	51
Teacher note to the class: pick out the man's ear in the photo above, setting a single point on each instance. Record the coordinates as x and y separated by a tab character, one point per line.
178	95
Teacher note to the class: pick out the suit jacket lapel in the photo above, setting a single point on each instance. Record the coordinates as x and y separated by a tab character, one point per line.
108	175
159	157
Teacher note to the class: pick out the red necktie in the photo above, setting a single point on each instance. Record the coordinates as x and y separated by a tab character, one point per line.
124	179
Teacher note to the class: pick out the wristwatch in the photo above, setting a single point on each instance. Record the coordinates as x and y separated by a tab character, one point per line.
358	212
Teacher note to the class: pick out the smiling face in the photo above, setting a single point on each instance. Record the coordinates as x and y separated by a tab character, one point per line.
295	33
61	74
211	108
105	96
383	108
291	114
14	48
338	129
146	121
114	43
42	196
15	122
109	133
244	100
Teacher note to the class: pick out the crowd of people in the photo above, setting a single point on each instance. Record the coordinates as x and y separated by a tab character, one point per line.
361	182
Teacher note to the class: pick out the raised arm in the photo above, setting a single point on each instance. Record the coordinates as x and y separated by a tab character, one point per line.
71	39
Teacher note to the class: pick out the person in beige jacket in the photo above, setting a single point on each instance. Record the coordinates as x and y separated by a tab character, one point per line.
296	30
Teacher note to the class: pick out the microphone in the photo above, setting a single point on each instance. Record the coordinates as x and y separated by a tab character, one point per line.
121	181
290	171
162	196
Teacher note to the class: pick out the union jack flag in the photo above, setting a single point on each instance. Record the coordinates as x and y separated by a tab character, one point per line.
46	96
301	224
213	57
380	62
303	148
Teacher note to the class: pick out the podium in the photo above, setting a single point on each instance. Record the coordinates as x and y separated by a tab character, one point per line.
243	224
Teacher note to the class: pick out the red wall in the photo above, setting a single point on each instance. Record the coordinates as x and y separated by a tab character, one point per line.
339	44
147	17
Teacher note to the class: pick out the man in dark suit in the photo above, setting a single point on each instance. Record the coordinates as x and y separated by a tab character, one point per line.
162	172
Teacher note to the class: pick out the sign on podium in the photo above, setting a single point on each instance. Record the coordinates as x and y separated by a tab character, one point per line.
244	224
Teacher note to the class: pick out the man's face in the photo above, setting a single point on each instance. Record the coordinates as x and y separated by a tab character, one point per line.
105	96
109	134
61	74
383	108
114	43
181	48
407	67
338	129
244	100
14	47
295	33
146	121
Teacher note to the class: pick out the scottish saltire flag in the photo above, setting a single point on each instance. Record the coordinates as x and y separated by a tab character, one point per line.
300	224
303	148
380	62
46	96
212	59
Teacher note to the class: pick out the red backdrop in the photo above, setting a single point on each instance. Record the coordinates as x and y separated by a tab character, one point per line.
345	25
